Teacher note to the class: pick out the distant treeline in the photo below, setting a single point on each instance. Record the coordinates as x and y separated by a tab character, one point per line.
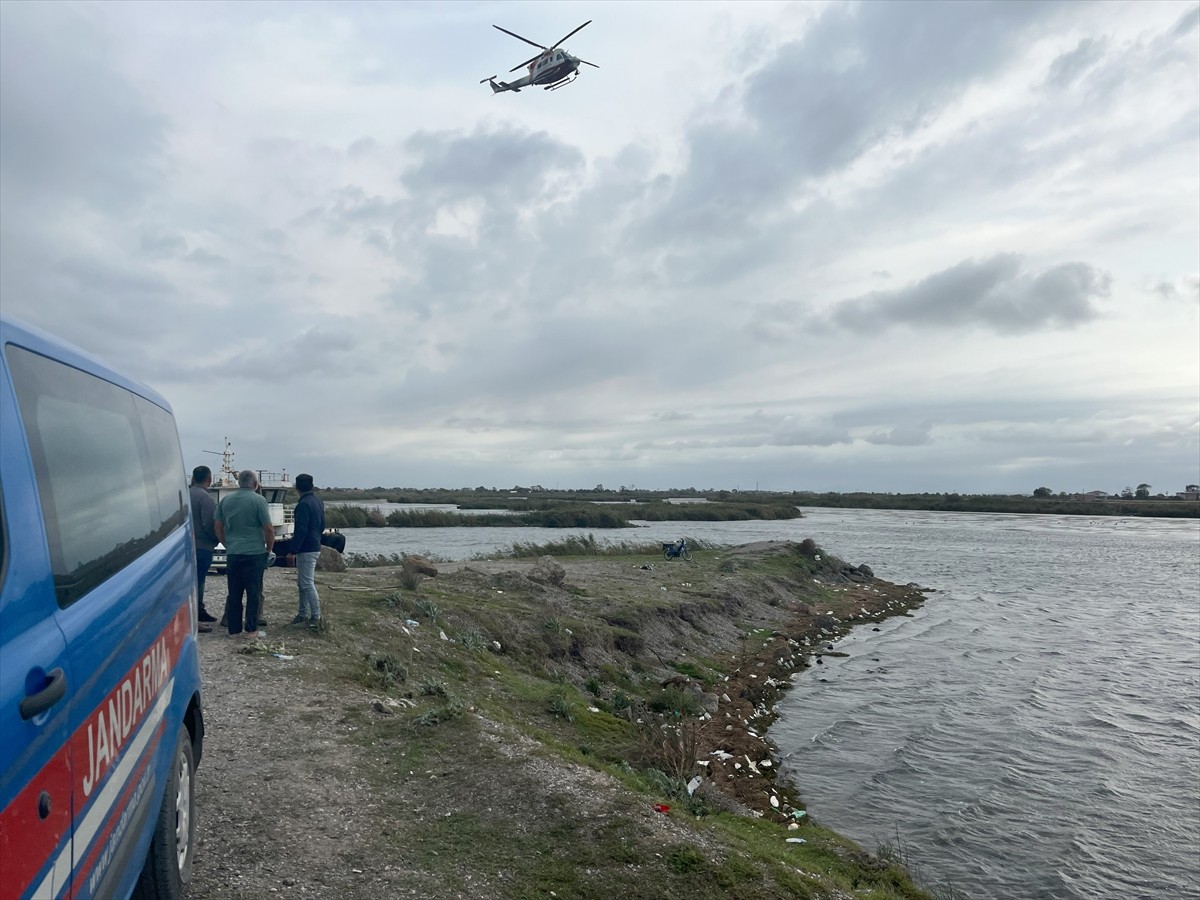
549	514
1000	503
521	506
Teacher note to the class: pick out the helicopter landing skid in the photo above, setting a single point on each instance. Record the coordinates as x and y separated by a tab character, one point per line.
563	83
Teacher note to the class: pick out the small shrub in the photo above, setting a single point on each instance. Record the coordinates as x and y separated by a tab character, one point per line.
386	670
593	686
473	641
371	561
409	580
686	859
428	609
560	705
430	688
451	709
621	700
809	548
676	702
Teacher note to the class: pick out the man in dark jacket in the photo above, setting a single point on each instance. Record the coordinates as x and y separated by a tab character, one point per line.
204	510
309	518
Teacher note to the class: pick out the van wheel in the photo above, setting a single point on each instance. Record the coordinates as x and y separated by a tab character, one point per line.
168	868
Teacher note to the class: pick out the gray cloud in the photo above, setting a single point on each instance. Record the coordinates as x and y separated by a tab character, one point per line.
491	297
1068	67
517	165
914	435
73	127
993	293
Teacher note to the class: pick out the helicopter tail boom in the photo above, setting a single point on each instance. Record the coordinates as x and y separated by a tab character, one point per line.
498	87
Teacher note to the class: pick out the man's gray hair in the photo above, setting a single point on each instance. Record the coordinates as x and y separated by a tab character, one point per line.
248	478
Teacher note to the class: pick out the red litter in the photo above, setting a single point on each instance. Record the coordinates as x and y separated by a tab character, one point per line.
661	807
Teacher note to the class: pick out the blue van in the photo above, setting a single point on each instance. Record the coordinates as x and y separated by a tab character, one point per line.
101	727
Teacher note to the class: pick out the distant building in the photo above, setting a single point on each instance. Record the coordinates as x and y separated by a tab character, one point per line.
1095	495
1190	492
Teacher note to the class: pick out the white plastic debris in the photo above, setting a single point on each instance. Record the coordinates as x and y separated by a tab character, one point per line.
766	763
693	784
283	656
796	840
775	801
593	709
411	623
442	635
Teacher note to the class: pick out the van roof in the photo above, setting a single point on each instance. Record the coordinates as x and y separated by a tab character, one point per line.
42	342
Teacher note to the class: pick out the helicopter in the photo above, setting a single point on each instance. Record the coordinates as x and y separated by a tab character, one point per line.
551	69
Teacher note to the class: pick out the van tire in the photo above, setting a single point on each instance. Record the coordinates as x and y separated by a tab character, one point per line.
168	868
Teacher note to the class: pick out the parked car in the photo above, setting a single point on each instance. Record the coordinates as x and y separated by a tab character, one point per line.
101	724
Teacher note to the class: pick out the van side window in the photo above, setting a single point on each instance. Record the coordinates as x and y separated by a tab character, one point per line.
108	470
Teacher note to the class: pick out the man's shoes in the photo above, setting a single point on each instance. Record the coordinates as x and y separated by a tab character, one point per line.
224	624
205	617
262	621
259	635
204	628
299	620
314	624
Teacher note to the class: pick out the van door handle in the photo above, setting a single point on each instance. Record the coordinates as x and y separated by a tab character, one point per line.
54	691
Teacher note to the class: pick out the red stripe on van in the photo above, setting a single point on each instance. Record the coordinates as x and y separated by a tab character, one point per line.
28	842
83	871
97	744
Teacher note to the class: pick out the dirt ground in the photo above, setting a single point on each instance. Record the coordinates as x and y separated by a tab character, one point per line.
313	784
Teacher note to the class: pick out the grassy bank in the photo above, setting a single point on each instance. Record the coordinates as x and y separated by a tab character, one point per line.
618	681
554	515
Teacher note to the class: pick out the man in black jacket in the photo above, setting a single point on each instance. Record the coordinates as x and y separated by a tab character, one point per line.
309	520
204	509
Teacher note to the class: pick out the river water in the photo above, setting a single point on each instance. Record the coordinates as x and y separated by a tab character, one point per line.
1032	732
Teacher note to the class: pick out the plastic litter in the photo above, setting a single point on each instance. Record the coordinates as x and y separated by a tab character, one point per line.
693	784
411	623
283	656
662	808
799	813
796	840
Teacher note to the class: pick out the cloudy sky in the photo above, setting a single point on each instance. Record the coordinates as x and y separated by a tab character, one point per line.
929	247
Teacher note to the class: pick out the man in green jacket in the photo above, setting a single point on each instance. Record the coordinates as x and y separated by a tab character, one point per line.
243	525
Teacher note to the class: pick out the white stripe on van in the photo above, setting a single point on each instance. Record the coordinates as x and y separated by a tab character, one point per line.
56	879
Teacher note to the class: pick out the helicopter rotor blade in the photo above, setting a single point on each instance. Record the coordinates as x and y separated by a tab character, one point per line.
561	39
524	64
527	40
586	63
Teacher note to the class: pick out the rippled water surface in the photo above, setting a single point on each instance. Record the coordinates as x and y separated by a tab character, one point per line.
1033	731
